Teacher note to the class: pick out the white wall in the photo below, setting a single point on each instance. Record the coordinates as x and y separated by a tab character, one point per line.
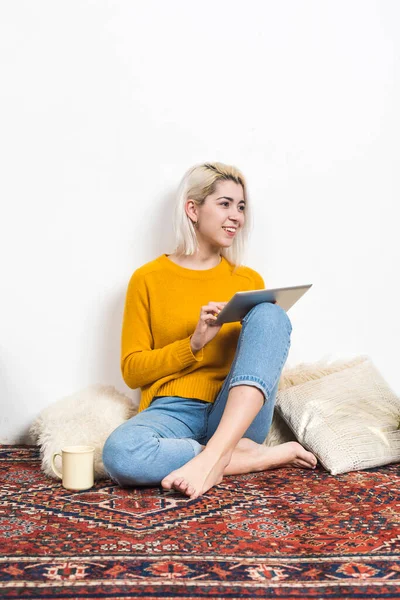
104	105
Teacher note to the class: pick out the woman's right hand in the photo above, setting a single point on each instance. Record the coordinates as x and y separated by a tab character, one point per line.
205	330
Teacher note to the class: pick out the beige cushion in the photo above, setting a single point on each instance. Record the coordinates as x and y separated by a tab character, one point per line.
279	432
349	418
85	418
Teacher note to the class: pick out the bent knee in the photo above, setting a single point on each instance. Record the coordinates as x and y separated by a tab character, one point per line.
126	460
114	458
273	313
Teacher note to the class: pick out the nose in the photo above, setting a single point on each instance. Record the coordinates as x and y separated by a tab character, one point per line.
234	219
236	216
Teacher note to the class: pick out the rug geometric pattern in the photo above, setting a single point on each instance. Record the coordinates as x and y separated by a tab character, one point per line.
284	533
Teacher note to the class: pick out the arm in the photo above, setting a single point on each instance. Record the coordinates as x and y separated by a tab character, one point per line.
258	281
141	364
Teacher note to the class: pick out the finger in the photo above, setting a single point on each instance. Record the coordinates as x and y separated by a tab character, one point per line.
209	318
211	309
216	307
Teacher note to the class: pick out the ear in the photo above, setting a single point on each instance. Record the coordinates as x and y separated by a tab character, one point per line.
191	210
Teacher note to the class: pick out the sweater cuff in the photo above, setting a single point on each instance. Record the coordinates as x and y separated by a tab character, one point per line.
186	356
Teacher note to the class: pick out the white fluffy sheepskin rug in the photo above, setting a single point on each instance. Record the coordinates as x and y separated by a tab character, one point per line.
86	418
89	416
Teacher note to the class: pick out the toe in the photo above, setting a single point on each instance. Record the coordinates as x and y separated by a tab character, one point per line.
312	461
303	463
182	485
166	484
178	481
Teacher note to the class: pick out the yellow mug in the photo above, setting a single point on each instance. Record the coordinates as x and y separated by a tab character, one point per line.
77	467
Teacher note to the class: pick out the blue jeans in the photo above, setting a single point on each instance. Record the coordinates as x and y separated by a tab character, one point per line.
170	432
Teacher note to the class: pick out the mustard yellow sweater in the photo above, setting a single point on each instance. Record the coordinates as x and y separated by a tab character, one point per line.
162	308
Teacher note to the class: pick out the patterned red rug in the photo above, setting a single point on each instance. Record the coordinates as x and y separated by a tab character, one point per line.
286	533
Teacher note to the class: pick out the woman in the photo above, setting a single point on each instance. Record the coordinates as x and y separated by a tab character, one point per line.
207	391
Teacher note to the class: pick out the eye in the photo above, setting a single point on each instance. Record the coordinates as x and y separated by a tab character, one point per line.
242	206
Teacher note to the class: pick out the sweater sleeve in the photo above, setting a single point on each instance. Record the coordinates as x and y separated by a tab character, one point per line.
141	364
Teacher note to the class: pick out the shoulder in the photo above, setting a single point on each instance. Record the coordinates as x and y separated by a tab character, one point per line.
255	279
141	274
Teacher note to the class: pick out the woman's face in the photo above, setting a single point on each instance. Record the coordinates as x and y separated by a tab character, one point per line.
223	209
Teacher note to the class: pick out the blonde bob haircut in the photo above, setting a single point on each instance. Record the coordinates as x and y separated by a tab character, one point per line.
199	182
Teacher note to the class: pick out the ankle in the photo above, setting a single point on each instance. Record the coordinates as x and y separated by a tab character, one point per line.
217	452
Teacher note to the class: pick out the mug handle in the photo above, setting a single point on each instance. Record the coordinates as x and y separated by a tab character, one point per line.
53	466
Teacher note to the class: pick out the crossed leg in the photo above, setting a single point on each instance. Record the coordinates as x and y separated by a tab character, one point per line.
227	453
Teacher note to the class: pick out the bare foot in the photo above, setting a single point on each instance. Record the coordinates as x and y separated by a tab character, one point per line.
198	475
262	458
204	470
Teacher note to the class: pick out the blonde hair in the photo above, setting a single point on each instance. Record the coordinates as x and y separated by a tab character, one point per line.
199	182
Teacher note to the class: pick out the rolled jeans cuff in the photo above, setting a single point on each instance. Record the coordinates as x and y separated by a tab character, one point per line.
251	380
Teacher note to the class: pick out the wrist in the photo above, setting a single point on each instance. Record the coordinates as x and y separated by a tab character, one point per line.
193	347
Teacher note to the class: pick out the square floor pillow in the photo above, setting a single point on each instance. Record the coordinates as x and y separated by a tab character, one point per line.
85	418
280	432
349	419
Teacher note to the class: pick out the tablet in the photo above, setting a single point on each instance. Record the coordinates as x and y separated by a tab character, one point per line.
240	304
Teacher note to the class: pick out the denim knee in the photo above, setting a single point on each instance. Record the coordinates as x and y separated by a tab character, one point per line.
272	313
125	457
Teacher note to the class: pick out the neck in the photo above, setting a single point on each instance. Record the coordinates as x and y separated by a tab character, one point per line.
199	260
207	257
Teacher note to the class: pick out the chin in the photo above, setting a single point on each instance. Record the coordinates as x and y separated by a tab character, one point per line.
228	242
